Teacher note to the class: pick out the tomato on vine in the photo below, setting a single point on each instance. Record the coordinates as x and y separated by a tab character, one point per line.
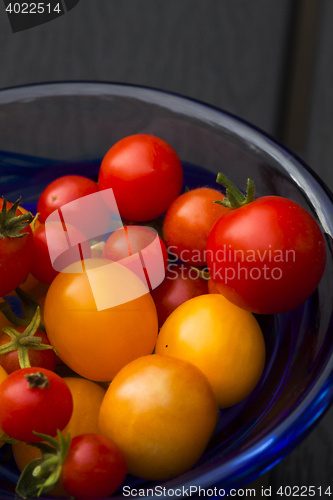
87	466
267	255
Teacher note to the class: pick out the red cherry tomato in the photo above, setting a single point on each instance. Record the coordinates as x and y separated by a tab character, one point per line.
16	255
46	358
34	399
95	467
145	174
130	240
54	236
267	256
181	283
188	222
62	191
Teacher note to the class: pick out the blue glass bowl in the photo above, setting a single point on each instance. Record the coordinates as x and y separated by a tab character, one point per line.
55	129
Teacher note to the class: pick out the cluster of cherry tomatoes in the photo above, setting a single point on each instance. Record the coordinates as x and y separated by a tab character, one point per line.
225	257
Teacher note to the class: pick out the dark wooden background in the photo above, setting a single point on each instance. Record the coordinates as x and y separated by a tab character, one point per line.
267	61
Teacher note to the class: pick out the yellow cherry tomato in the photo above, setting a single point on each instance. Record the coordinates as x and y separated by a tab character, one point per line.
3	375
87	400
97	343
161	412
224	341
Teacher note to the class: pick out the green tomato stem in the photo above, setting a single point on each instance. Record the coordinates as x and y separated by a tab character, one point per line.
11	224
22	342
234	198
42	474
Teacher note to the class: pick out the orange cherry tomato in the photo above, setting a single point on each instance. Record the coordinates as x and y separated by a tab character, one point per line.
224	341
161	411
97	343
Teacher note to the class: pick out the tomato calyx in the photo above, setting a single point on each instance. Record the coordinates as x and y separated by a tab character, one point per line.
42	474
22	342
234	197
11	224
37	380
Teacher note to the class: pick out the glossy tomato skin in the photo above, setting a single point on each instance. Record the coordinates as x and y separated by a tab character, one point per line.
24	409
268	256
181	283
62	191
221	339
16	256
130	240
188	222
145	174
42	268
161	411
46	358
98	343
95	467
87	400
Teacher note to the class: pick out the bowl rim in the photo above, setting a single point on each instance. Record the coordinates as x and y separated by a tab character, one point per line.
319	397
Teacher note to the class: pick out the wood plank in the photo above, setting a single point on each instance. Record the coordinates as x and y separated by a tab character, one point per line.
310	464
300	73
319	148
224	53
